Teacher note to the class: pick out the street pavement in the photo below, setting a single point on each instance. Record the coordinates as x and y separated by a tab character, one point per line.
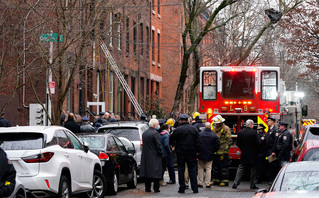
170	190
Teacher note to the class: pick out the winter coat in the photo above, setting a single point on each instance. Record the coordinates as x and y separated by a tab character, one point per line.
151	161
86	128
186	142
249	144
165	144
4	122
209	144
72	126
199	125
225	139
7	175
271	137
283	145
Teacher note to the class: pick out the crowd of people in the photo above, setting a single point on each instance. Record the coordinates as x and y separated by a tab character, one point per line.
202	152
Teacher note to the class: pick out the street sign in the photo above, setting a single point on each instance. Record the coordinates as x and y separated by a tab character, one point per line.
54	37
52	88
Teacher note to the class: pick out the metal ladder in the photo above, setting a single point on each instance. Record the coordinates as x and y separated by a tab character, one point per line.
121	78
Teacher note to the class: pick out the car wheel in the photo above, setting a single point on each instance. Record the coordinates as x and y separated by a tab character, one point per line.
20	195
99	185
133	182
64	187
113	186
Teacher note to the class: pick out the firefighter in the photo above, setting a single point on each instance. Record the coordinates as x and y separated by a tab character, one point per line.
220	171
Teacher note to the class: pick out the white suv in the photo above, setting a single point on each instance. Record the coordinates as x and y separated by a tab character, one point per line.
130	130
52	161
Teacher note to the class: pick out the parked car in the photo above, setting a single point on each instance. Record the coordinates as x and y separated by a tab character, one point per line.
130	130
127	143
309	151
311	133
296	177
53	161
19	190
119	165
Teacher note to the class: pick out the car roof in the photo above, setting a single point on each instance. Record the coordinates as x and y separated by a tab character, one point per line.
302	166
47	130
123	124
310	144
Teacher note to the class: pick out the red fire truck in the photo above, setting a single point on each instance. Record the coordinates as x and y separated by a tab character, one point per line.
238	93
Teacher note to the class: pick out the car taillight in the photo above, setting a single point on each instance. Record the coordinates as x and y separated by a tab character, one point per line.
38	158
103	156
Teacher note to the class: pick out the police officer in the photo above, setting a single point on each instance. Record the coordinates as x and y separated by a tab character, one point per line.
186	142
86	126
221	160
283	145
271	137
7	175
262	163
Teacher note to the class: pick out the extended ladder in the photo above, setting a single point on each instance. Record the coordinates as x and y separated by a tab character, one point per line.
121	78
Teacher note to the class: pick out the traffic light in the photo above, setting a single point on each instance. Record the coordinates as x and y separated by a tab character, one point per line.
39	119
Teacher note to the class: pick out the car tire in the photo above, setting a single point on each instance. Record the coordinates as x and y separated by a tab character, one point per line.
113	186
133	183
64	187
20	195
99	186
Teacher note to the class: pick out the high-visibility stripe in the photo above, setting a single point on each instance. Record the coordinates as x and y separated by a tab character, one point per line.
261	121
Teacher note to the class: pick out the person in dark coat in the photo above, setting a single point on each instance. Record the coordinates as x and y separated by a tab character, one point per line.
271	137
249	144
3	121
198	124
71	124
166	149
100	119
209	144
7	175
283	145
151	160
186	142
262	163
86	126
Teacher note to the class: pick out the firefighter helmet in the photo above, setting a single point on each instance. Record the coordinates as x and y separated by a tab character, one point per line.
218	119
195	114
170	122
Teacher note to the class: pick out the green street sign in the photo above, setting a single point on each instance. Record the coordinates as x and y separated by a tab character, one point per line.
54	37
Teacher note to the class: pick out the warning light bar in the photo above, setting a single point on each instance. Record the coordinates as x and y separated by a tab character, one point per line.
238	102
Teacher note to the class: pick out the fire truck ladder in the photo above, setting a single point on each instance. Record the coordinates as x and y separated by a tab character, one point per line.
121	78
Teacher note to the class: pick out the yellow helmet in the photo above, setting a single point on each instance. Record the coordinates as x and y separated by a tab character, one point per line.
195	114
170	121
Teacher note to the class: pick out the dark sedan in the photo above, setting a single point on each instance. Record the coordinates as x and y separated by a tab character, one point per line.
297	179
119	165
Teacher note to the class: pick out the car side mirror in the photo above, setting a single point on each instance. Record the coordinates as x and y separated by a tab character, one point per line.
261	191
131	150
86	146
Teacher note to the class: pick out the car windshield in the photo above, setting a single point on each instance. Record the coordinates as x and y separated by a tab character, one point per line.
303	180
129	133
21	141
95	142
311	155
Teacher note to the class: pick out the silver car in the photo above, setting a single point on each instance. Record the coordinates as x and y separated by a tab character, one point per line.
130	130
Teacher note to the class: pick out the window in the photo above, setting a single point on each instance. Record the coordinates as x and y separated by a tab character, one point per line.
120	144
63	140
21	141
269	85
153	6
158	6
141	39
159	48
119	35
76	143
130	133
111	30
209	91
238	85
147	41
111	145
95	142
153	45
134	38
127	36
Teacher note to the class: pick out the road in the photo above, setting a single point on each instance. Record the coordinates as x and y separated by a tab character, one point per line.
242	191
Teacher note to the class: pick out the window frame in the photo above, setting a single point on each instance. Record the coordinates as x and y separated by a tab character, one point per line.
261	85
216	86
